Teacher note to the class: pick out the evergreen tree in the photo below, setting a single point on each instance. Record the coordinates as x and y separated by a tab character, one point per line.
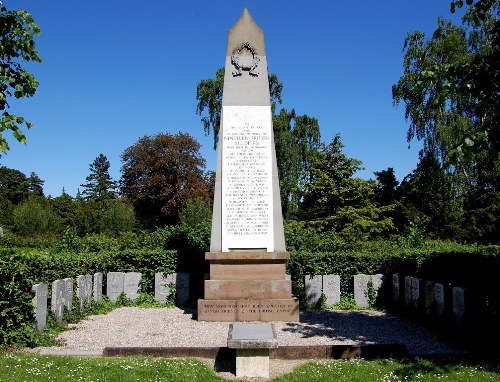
99	187
35	185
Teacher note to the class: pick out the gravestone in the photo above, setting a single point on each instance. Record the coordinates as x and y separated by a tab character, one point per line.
362	290
88	289
68	295
162	285
459	305
97	287
114	285
1	231
429	297
313	285
182	288
247	247
57	300
395	288
132	285
40	304
415	292
439	299
331	288
81	290
408	283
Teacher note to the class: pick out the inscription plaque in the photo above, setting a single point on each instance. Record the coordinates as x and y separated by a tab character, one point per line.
247	213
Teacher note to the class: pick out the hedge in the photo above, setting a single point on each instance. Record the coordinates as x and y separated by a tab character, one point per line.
20	269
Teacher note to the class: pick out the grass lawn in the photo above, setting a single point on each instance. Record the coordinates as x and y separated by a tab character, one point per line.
16	367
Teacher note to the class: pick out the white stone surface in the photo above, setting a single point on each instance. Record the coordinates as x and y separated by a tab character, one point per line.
252	363
247	184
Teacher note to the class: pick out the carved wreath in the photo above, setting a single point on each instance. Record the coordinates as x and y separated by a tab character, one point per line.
245	58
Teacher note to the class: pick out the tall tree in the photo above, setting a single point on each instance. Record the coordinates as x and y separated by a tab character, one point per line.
17	45
35	184
451	85
429	201
160	174
387	186
14	186
99	187
333	199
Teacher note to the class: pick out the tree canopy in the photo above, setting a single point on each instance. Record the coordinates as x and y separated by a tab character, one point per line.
17	45
160	174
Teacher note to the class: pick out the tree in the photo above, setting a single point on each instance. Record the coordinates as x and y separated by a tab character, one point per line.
451	84
296	138
160	174
17	29
429	201
35	184
334	200
387	186
34	217
14	186
99	187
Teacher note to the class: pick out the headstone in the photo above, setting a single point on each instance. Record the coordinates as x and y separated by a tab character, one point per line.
408	298
162	285
439	299
132	285
57	300
362	289
415	292
40	304
81	290
429	298
247	248
68	295
459	305
395	288
313	285
1	231
331	288
97	287
88	289
114	285
182	288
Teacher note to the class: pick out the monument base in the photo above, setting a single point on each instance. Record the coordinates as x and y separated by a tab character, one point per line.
248	286
265	310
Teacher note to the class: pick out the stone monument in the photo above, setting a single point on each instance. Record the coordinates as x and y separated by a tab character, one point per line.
247	248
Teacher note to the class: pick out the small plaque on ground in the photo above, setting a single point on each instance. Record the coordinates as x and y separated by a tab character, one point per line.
255	336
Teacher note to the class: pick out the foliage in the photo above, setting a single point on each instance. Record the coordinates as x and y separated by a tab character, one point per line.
296	137
34	217
427	199
334	200
14	185
17	45
450	84
99	187
160	174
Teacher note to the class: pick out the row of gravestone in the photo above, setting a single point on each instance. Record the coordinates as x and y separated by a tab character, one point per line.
329	285
430	298
418	295
90	287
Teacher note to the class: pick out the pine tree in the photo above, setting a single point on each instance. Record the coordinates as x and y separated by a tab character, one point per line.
99	187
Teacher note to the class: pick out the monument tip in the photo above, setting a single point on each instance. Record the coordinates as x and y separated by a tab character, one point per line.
246	30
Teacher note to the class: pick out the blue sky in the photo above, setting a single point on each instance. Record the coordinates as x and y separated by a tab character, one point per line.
113	71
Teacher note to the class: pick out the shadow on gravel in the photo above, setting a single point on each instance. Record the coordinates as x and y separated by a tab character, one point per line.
357	326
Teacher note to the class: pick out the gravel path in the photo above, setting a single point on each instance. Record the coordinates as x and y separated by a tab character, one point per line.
164	327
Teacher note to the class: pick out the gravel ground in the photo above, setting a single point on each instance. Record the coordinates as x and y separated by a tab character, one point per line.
164	327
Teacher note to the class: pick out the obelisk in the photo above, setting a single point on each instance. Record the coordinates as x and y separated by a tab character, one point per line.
247	250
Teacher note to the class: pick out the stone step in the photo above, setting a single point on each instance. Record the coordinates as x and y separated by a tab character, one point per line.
247	272
247	289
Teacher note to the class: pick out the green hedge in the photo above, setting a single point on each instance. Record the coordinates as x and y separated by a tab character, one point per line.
20	269
476	268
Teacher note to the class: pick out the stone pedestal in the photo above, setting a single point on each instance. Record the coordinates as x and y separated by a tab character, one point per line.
248	286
